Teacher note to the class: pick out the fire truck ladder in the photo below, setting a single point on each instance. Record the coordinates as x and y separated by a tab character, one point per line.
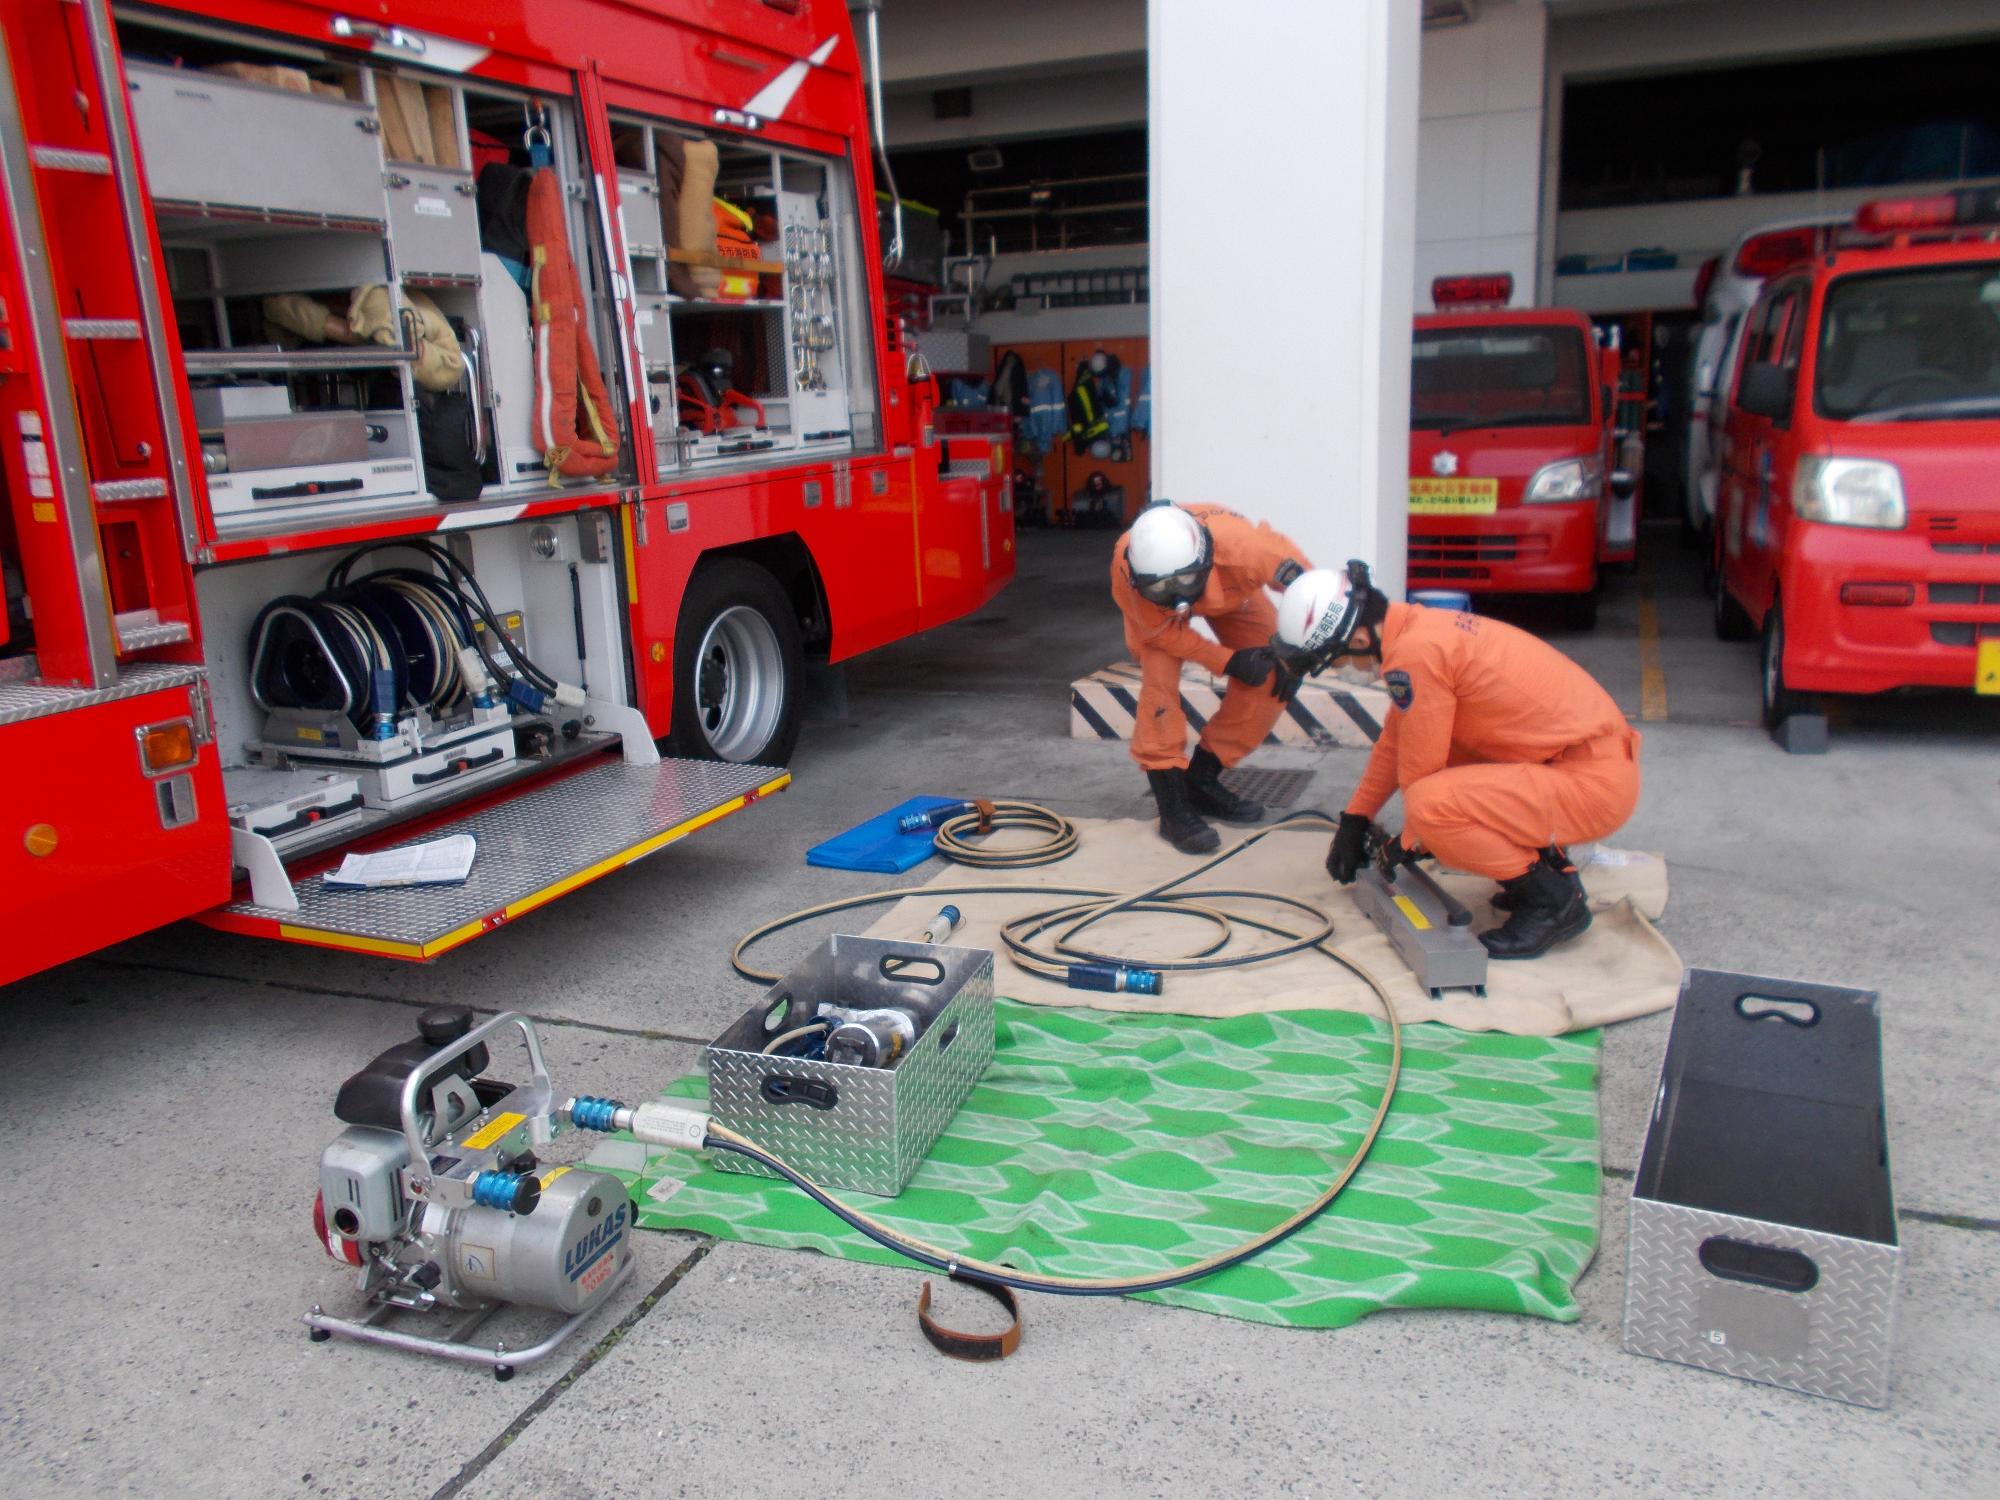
105	513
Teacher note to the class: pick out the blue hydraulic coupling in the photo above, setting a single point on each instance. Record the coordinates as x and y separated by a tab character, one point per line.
510	1192
940	930
587	1112
1115	978
936	817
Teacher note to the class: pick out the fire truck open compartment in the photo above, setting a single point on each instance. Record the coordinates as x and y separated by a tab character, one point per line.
555	588
766	365
293	182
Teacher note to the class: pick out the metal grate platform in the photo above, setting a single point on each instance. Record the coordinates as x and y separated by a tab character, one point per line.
26	697
532	848
1273	788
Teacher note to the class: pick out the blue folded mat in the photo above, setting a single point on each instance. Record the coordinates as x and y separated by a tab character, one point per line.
876	845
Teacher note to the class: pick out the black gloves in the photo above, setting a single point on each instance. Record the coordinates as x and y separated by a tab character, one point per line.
1251	665
1350	848
1285	686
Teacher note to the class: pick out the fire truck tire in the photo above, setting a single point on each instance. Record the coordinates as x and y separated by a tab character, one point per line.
737	666
1780	702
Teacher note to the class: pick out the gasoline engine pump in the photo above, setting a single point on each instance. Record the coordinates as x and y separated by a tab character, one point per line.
434	1193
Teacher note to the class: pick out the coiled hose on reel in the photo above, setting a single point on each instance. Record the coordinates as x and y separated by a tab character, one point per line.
1068	920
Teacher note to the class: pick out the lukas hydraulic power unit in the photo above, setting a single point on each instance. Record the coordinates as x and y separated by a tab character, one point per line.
434	1194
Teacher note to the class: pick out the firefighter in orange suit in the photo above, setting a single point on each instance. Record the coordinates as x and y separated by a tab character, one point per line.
1183	560
1504	749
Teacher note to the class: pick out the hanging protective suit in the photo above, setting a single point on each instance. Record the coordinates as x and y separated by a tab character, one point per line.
575	424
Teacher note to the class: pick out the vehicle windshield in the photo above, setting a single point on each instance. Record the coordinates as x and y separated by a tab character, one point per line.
1499	375
1911	346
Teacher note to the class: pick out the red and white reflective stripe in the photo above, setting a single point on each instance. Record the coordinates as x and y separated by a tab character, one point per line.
774	98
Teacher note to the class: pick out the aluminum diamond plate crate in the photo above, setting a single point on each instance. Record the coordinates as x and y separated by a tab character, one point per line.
857	1128
1763	1223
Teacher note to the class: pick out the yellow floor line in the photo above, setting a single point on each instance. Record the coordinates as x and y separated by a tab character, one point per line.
1652	676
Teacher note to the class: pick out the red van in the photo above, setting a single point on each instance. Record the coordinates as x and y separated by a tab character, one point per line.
1513	484
1858	525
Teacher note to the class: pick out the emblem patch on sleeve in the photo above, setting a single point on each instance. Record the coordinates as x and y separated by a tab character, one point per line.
1398	684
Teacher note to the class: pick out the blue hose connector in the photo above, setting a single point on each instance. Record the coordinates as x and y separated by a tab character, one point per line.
936	817
510	1192
589	1113
1115	978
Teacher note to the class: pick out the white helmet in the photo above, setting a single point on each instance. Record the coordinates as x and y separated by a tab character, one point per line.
1320	609
1168	554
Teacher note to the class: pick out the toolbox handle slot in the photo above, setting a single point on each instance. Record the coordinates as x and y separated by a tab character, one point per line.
950	1036
910	970
782	1088
779	1012
1771	1008
458	767
1758	1265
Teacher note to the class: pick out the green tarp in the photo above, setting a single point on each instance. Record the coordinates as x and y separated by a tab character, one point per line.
1102	1144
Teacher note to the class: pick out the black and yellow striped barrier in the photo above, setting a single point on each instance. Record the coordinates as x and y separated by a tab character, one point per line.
1104	705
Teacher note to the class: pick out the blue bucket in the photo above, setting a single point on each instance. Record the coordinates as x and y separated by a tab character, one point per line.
1442	599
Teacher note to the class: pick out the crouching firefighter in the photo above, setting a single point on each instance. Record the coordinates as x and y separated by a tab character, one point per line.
1504	749
1201	560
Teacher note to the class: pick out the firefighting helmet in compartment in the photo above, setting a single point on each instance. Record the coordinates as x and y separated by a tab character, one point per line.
1320	611
1168	554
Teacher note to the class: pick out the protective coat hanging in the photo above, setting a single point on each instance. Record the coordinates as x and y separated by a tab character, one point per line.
574	424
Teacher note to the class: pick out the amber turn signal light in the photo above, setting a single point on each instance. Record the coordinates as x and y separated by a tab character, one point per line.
164	747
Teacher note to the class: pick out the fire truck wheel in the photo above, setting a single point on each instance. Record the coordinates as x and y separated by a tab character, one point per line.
737	666
1780	702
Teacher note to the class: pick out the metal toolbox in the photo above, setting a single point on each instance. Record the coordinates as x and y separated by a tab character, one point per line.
1763	1225
639	208
433	223
221	142
656	342
861	1129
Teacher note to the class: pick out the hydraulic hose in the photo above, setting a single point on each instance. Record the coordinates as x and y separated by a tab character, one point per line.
955	836
1072	918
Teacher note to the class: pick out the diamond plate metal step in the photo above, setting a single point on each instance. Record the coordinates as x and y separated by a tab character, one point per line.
533	847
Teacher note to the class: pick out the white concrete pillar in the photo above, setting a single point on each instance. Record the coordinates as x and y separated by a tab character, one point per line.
1283	146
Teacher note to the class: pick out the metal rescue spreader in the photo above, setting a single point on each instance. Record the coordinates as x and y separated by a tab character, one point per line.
1429	927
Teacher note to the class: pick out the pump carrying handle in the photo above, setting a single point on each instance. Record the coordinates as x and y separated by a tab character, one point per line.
451	1052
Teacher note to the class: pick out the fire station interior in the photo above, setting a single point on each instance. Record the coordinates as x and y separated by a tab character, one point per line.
508	995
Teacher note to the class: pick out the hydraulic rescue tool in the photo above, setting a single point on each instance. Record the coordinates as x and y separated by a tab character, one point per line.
1430	928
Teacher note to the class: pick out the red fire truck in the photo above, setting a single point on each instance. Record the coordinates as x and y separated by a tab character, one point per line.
408	418
1858	530
1514	485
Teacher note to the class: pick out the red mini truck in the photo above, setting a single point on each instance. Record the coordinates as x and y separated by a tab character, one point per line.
1513	483
1859	524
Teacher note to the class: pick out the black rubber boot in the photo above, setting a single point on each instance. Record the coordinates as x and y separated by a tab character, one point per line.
1208	795
1179	823
1558	860
1548	908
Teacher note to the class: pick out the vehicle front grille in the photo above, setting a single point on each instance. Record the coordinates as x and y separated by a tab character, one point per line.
1964	632
1497	547
1965	593
1967	549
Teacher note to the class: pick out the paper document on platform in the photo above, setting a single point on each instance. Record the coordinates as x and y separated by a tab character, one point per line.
440	862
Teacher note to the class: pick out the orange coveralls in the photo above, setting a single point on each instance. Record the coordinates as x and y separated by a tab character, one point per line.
1248	557
1498	742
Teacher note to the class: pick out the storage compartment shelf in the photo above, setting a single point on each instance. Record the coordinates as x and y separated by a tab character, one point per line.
411	515
216	221
723	304
299	361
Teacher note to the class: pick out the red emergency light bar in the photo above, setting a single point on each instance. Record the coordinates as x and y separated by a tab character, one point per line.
1494	290
1937	211
1768	254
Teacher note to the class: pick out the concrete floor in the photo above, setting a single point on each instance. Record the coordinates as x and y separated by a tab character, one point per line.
166	1103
